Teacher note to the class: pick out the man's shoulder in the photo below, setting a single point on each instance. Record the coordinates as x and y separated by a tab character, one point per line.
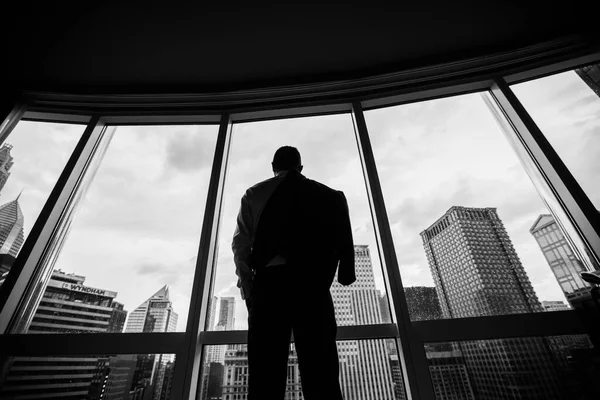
324	189
265	185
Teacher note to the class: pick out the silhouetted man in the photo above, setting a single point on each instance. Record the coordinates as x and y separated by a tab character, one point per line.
291	235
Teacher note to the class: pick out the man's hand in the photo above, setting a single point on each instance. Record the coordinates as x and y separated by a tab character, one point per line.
245	289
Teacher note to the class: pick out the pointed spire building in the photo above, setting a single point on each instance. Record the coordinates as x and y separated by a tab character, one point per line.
11	228
152	374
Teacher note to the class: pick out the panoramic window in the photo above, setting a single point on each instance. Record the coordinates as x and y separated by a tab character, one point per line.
31	160
129	259
566	107
465	217
329	154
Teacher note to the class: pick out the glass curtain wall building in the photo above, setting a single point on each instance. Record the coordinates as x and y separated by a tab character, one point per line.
474	207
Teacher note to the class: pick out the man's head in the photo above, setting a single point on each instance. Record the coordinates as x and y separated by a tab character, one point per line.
287	158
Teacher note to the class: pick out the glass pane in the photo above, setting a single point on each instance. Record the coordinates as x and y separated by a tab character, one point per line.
31	160
117	377
566	107
131	249
554	367
327	145
464	214
369	369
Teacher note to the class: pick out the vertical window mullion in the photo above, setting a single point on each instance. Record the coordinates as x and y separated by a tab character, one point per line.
189	358
411	351
574	202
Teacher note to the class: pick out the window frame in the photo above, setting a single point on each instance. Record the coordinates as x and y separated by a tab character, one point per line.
189	345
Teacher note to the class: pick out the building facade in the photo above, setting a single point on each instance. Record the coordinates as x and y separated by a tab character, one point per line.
365	365
226	313
560	257
67	306
477	272
11	228
235	376
423	303
449	373
6	163
153	371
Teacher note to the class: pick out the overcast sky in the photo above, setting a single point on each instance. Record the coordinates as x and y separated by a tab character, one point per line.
138	227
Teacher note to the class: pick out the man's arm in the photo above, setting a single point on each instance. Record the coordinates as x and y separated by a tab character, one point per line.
344	241
242	247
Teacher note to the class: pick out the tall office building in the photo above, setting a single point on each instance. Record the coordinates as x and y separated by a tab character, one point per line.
226	322
214	359
67	306
154	315
210	376
152	372
591	75
423	303
6	163
563	263
477	272
117	318
6	263
226	313
365	369
11	228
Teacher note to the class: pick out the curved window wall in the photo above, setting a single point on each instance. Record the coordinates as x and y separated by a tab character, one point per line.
473	217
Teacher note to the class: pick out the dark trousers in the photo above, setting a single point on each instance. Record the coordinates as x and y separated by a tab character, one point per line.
283	303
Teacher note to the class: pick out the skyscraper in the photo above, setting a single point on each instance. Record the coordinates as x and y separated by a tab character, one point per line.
214	359
475	267
477	272
226	313
365	369
156	314
563	263
67	306
153	315
11	228
6	163
117	318
423	303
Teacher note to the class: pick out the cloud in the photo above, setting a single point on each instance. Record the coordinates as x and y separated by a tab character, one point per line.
190	150
149	268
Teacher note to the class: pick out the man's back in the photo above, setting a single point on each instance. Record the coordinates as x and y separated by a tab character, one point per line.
306	223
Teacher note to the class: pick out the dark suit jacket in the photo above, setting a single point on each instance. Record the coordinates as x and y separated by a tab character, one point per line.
308	224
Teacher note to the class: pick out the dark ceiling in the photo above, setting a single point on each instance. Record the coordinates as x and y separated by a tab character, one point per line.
193	48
